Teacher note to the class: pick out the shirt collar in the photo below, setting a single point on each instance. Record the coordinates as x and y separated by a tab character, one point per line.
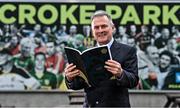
108	44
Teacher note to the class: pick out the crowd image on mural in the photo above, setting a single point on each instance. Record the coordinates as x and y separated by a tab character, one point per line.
34	58
33	36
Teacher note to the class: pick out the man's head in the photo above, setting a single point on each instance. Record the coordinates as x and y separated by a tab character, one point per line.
73	30
165	33
47	30
122	30
37	28
40	61
172	44
50	48
131	41
86	30
26	46
14	40
175	29
79	39
154	29
165	59
102	27
62	28
133	28
153	54
144	29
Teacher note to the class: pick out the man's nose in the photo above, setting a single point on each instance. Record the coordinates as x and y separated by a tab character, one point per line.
100	29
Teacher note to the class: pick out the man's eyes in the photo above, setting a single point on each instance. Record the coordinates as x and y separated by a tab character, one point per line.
96	27
102	27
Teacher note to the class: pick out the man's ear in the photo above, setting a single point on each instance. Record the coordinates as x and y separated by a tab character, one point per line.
114	29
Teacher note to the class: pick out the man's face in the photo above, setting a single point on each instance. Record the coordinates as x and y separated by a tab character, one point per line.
37	28
14	41
102	29
131	42
144	29
153	29
48	30
173	29
153	55
26	50
40	61
172	45
37	40
73	30
165	33
165	61
86	30
133	28
50	48
64	28
122	30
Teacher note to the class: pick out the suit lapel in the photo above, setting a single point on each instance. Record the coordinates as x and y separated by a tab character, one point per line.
115	49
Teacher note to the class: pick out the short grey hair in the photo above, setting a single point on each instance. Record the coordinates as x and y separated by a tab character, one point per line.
102	13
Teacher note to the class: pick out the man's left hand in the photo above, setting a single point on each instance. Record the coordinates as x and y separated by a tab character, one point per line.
114	67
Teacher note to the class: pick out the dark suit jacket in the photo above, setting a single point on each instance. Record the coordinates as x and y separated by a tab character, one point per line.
114	92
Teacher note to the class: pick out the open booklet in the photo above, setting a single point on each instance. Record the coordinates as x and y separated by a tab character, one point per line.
91	63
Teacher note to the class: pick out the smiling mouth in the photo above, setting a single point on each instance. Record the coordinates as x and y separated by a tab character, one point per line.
102	34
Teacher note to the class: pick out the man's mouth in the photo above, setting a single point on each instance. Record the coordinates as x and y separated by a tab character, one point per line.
102	34
163	65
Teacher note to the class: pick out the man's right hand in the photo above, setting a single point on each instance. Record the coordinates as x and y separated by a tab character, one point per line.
71	72
152	76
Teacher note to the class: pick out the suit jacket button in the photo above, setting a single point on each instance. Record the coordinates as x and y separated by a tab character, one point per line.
97	102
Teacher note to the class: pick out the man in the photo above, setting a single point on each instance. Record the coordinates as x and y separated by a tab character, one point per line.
144	38
149	75
176	32
161	42
47	79
112	92
133	31
79	39
153	57
39	44
54	60
122	36
155	32
88	39
13	77
61	32
166	59
73	31
13	45
25	59
48	35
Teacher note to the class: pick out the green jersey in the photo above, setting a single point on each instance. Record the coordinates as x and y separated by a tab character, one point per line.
26	62
48	80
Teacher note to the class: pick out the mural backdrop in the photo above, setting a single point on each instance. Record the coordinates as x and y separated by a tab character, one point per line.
33	36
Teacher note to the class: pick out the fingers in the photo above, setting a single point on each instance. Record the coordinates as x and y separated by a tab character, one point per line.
70	75
114	67
113	64
71	72
113	70
70	67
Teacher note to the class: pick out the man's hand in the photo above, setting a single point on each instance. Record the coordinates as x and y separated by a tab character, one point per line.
152	75
71	72
114	67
